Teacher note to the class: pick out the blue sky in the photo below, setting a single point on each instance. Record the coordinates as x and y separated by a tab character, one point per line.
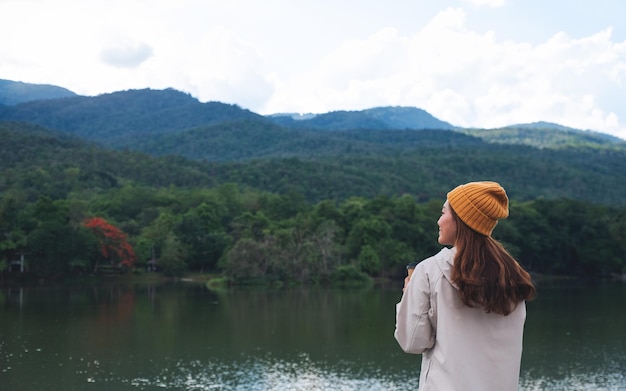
473	63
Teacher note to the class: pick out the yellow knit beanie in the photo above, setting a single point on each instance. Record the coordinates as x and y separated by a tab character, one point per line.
480	205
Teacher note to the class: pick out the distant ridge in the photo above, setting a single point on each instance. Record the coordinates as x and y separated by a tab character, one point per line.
295	116
400	117
545	135
14	92
390	117
124	119
108	118
541	125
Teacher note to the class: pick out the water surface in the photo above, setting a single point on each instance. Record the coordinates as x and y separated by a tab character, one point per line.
182	336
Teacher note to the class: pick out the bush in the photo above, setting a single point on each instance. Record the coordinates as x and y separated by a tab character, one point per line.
218	284
350	275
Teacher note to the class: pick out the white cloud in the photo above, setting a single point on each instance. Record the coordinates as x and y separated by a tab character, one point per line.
561	80
126	56
468	79
219	66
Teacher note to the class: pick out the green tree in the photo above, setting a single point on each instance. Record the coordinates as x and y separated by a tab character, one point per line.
202	232
248	259
367	231
173	256
53	243
369	261
153	236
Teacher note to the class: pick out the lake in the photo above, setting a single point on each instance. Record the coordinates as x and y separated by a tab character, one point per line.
182	336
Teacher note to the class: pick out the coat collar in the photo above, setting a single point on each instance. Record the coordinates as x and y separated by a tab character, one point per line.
445	262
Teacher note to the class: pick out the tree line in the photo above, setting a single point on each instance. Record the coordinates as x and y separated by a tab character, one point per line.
251	235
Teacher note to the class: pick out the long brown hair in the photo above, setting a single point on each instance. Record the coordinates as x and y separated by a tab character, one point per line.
486	274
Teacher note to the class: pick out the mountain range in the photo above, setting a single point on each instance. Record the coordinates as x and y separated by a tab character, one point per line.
155	112
383	150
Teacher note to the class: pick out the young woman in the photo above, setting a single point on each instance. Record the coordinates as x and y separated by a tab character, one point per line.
464	308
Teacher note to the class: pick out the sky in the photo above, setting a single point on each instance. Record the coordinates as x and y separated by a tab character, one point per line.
472	63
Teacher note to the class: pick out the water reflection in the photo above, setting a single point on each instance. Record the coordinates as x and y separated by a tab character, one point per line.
186	337
269	373
575	338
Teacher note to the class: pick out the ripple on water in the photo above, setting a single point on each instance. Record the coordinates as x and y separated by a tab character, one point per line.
256	374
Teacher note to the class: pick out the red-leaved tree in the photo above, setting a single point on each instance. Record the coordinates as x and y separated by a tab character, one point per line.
113	242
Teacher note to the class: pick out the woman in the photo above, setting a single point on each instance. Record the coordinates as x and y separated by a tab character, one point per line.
464	308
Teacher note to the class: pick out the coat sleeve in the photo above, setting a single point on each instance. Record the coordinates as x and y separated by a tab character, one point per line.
414	331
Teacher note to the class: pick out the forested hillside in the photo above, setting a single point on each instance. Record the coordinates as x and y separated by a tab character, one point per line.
346	216
14	92
110	118
212	187
424	164
543	135
527	173
398	118
251	139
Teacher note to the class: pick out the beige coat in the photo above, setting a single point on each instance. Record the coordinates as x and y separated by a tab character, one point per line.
462	348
